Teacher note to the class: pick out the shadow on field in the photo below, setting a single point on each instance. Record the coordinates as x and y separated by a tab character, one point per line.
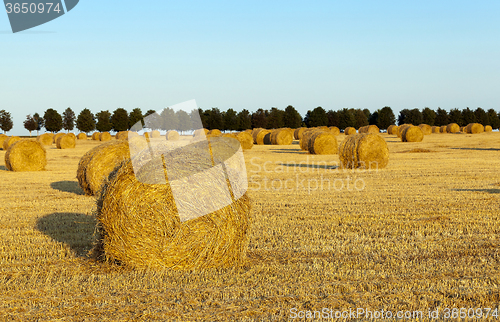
477	149
492	191
73	229
311	166
2	167
67	186
287	151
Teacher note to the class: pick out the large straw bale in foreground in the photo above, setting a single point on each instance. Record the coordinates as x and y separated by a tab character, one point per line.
45	139
349	131
245	139
26	155
452	128
66	142
172	135
281	137
474	128
412	134
9	141
140	227
364	151
96	165
323	143
426	129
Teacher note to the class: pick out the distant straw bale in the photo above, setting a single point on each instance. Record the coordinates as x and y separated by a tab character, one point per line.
255	132
95	136
323	142
364	151
488	128
72	134
229	135
214	133
4	137
57	136
369	129
9	141
442	129
200	133
104	136
304	140
261	135
66	142
401	128
245	139
297	134
426	129
412	134
349	131
452	128
392	129
475	128
155	134
45	139
172	135
334	130
281	137
26	155
81	136
436	129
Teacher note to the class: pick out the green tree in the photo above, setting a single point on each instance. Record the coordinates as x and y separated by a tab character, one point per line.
385	118
259	119
135	117
291	118
468	116
373	119
104	121
30	123
404	116
85	122
68	119
215	120
455	116
244	120
6	123
169	119
481	116
40	123
415	117
119	120
183	121
149	112
346	119
198	120
360	117
230	120
275	118
333	118
441	117
493	118
428	116
367	113
53	120
316	117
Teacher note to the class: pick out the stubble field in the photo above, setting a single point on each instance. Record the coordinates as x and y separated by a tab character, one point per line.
421	234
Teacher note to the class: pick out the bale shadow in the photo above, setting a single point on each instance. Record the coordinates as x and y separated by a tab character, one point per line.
74	229
2	167
477	149
67	186
492	191
311	166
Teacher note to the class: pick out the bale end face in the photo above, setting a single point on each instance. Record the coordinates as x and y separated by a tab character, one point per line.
9	141
104	136
45	139
412	134
323	143
66	142
364	151
26	155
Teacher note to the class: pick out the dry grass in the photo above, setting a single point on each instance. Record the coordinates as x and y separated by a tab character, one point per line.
414	238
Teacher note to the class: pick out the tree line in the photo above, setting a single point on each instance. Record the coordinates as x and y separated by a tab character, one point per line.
230	120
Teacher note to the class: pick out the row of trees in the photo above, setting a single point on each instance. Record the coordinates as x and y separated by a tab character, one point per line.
230	120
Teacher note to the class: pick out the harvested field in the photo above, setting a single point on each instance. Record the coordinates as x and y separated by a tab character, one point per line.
422	233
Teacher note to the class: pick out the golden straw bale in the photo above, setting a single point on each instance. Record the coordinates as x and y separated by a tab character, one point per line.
57	136
488	128
442	129
72	134
362	129
297	134
214	133
96	165
172	135
255	132
323	142
304	140
65	142
401	128
426	129
289	130
51	134
199	133
4	137
95	136
412	134
452	128
104	136
245	139
349	130
282	137
9	141
436	129
121	135
229	135
475	128
334	130
249	131
363	151
81	136
372	129
261	136
155	134
26	155
45	139
392	129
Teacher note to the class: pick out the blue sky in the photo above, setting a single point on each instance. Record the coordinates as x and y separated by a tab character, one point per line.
253	54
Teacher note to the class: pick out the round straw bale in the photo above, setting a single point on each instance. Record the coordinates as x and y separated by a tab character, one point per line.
298	132
488	128
9	141
95	136
452	128
96	165
412	134
442	129
245	139
104	136
372	129
426	129
349	131
364	151
200	132
229	135
282	137
362	129
334	130
172	135
261	137
214	133
65	142
4	137
57	136
26	155
401	128
81	136
51	134
249	131
392	129
289	130
139	225
121	135
72	134
45	139
155	134
323	142
475	128
255	132
304	140
436	129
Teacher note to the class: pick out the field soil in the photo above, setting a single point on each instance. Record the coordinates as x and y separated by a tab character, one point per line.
419	235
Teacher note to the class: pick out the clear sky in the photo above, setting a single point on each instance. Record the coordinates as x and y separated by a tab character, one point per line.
251	54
